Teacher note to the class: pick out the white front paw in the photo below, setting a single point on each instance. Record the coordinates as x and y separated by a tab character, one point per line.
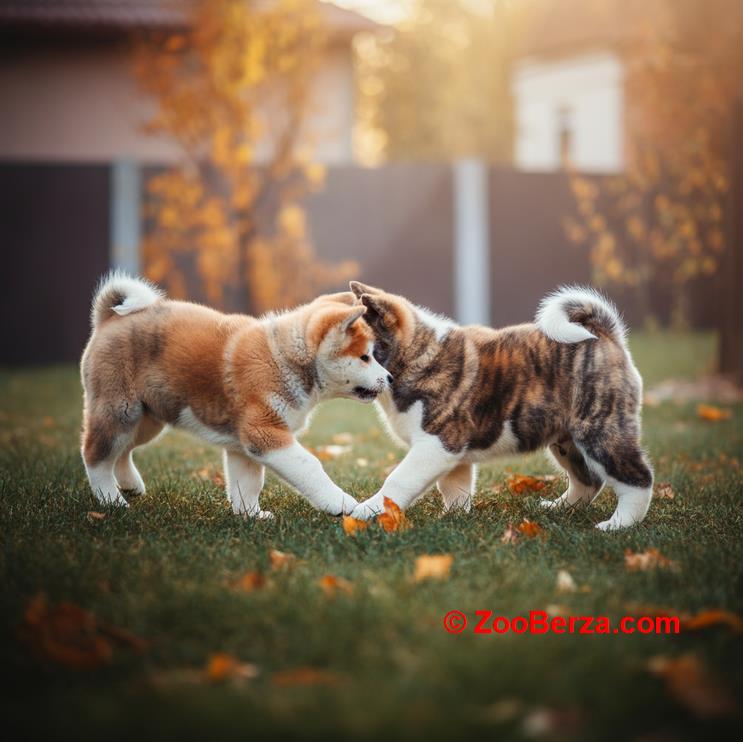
341	504
369	509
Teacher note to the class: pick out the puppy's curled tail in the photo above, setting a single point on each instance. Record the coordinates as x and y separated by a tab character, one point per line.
575	313
122	294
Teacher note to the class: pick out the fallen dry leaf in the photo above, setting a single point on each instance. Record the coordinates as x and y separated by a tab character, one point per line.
343	439
68	635
520	483
664	491
330	452
511	535
565	582
433	567
352	525
692	685
707	619
530	529
47	422
363	463
332	585
392	519
207	474
221	667
92	515
251	581
713	414
646	560
304	676
282	559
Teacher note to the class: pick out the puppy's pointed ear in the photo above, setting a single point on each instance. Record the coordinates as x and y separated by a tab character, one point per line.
381	314
352	315
330	317
359	288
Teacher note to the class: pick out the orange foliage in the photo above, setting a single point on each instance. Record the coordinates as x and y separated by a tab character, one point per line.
663	220
234	83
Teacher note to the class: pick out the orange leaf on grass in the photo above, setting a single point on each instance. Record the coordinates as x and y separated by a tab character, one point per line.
664	491
68	635
332	585
304	676
392	519
706	619
282	559
93	515
713	414
530	529
433	567
647	560
352	525
251	581
332	451
520	483
221	667
693	686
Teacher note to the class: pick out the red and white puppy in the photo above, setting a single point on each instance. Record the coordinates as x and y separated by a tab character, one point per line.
245	384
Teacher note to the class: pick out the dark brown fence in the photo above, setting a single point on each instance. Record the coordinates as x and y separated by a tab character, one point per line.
54	233
397	222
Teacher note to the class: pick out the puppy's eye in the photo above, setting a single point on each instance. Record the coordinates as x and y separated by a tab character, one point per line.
365	358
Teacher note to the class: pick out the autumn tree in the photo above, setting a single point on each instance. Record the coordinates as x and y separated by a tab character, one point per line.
662	222
233	89
438	88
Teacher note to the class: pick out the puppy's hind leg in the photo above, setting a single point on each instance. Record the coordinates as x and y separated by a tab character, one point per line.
126	473
584	484
102	446
628	471
244	478
457	488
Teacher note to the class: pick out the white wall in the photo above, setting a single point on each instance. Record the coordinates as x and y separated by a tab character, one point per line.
589	89
82	104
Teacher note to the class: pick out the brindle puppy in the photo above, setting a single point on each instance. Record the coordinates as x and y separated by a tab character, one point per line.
462	395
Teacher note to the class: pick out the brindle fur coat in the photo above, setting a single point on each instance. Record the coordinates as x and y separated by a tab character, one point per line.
462	395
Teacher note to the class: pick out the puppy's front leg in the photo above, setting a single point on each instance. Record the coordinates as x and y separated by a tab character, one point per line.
298	467
244	482
424	463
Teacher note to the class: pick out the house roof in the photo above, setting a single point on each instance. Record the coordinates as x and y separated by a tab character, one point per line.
558	27
128	15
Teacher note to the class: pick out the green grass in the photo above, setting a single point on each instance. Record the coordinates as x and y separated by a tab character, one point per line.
164	570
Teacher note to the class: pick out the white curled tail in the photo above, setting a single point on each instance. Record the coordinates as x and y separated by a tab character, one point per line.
123	294
575	313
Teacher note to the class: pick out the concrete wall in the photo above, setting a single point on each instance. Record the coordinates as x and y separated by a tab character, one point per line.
73	102
585	95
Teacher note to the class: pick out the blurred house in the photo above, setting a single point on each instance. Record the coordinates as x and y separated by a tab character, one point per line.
569	83
69	94
73	149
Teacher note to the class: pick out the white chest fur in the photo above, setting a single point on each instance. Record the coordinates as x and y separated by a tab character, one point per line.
405	427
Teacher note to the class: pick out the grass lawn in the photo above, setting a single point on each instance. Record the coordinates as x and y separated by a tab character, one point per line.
166	570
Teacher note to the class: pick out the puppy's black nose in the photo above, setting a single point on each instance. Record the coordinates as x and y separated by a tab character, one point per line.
389	379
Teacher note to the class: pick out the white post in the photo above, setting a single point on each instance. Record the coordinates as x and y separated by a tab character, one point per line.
125	216
471	242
